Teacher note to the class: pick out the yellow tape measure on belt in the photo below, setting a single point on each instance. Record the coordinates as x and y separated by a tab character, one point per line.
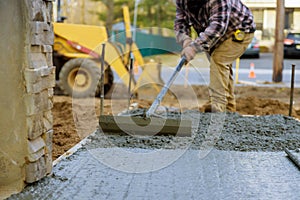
239	35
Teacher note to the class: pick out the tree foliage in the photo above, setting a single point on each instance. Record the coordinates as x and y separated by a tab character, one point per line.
151	13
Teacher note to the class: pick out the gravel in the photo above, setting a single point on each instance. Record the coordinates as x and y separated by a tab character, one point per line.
224	131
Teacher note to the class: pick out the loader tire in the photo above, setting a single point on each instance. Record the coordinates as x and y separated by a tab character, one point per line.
79	78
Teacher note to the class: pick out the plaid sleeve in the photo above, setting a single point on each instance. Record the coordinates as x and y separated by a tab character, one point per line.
218	23
181	25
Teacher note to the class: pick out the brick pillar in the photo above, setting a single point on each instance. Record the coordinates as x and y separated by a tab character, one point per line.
39	80
27	82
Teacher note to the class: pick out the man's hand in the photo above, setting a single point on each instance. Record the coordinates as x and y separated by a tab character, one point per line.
189	52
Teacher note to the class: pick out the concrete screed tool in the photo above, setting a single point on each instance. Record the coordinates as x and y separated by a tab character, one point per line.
149	123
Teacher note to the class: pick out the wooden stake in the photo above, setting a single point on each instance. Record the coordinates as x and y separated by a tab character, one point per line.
292	90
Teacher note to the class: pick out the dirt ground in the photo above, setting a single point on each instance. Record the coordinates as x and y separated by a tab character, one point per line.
75	119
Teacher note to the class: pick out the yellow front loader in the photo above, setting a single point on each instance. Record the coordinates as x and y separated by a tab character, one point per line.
77	50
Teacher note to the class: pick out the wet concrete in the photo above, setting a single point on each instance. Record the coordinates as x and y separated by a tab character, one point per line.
228	131
220	175
228	157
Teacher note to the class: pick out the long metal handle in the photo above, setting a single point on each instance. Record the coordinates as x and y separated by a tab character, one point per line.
166	87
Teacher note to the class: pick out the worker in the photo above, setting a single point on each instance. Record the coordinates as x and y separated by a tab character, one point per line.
224	30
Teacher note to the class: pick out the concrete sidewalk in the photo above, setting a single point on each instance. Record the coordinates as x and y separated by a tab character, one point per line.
219	175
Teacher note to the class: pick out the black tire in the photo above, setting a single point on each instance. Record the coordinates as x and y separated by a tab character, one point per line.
87	74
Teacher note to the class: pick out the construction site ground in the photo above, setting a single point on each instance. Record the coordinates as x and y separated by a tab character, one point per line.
246	160
70	127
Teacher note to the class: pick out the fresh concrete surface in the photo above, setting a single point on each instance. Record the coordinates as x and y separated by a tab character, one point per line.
228	156
219	175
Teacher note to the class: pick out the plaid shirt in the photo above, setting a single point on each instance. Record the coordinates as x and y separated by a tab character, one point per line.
213	20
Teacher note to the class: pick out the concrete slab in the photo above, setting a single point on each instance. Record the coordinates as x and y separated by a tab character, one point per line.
97	173
228	157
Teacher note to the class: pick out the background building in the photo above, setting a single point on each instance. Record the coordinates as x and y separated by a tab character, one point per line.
265	16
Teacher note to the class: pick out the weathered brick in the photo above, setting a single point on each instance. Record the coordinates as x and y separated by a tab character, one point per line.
34	75
31	76
46	71
48	121
49	9
37	10
45	38
37	103
36	149
49	59
47	49
50	103
39	124
33	157
47	137
36	145
44	84
36	49
35	126
50	92
38	27
48	157
35	170
39	79
37	60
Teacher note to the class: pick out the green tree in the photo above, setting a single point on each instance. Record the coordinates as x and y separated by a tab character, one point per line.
151	13
113	12
157	13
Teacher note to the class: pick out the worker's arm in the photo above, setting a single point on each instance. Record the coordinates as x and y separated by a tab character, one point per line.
181	24
218	24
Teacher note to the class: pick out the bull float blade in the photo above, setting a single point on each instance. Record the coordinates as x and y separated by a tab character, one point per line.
137	125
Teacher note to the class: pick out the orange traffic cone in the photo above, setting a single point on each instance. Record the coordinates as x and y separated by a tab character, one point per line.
252	73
